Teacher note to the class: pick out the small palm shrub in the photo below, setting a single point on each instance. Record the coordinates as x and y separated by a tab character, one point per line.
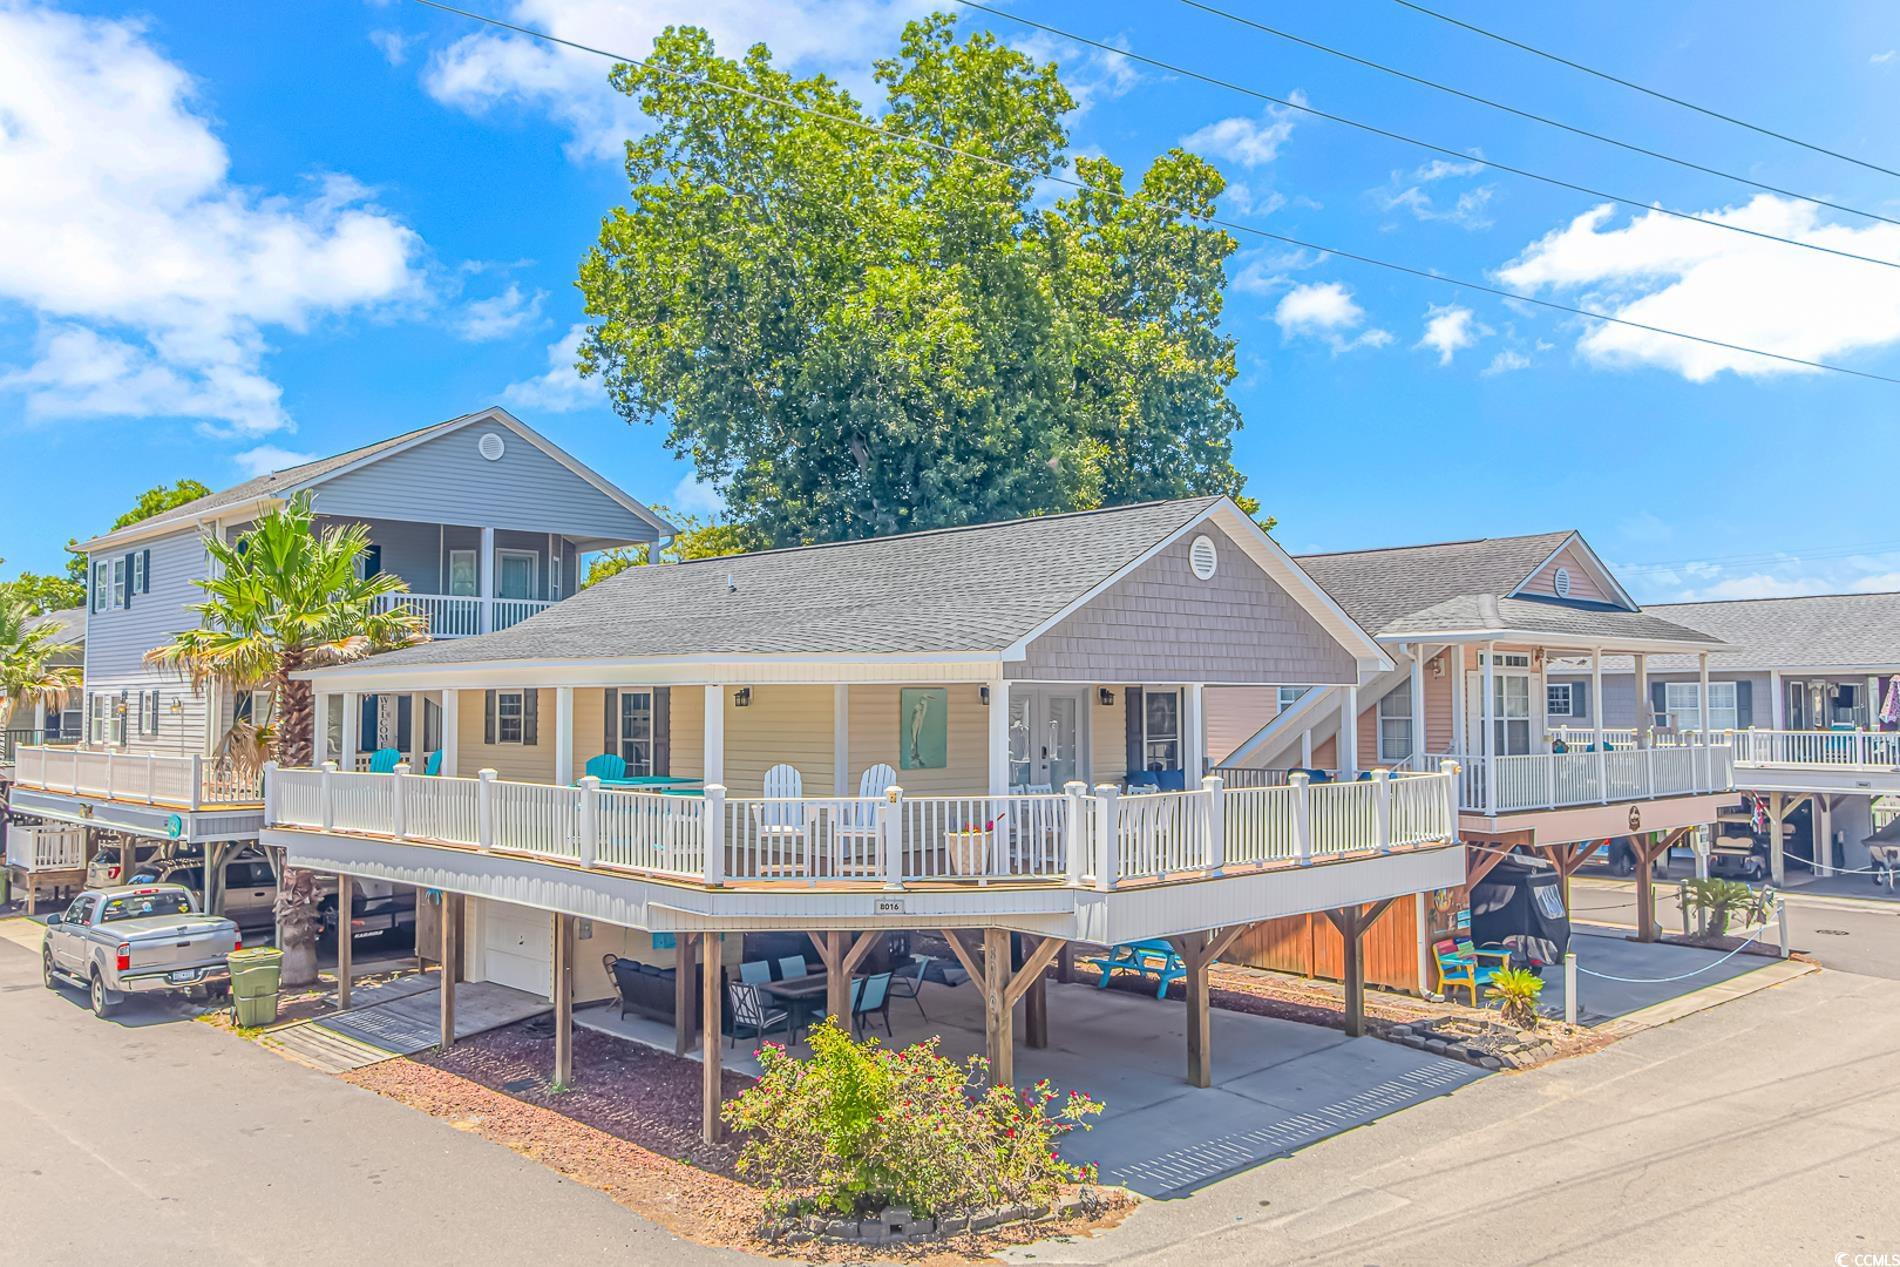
1716	902
858	1127
1517	991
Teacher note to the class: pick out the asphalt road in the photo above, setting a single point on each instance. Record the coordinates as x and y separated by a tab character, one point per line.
1859	935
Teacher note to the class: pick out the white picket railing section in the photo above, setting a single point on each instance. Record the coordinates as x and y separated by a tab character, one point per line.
1866	749
149	777
1101	838
1554	780
46	848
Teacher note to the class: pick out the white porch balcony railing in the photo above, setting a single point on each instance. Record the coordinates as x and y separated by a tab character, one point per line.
1559	780
1098	838
148	777
1861	749
460	616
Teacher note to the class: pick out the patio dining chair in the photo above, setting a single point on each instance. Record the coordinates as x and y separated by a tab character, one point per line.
779	832
909	984
857	822
755	972
385	760
871	996
750	1012
792	967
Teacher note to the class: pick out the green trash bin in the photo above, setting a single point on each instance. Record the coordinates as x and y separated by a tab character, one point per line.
254	976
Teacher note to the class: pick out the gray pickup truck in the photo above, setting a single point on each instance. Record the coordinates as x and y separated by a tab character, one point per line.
137	938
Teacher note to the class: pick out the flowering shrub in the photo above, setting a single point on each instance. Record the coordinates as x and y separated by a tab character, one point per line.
858	1127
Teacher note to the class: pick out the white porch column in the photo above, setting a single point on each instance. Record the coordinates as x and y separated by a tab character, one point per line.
1777	701
1460	729
352	727
1596	694
999	737
1418	707
1821	834
563	735
418	743
1873	704
487	568
1645	717
451	731
1346	756
1193	733
1487	741
1306	748
714	770
320	727
841	739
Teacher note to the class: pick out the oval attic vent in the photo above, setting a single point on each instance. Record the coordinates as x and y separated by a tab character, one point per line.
1203	558
1561	582
491	446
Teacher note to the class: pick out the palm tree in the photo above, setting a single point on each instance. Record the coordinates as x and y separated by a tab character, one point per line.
283	598
29	670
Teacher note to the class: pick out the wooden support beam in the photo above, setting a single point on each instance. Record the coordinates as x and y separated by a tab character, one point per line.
997	1012
1352	923
563	1000
841	955
685	998
711	1076
1480	861
1036	1012
1646	852
970	956
451	965
1199	951
345	939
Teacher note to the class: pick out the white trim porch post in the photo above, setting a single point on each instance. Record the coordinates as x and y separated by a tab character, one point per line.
418	742
1705	712
1487	739
999	737
451	730
1777	701
1596	715
563	735
1873	704
1460	729
320	727
1645	717
1306	748
486	567
714	738
1193	734
1418	708
841	739
352	724
1347	755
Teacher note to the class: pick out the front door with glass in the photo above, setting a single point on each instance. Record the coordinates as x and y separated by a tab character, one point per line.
1045	738
1510	713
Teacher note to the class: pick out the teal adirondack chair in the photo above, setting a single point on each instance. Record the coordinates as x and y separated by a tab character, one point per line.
385	760
608	767
432	764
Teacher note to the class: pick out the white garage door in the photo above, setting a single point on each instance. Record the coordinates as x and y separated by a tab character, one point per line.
518	947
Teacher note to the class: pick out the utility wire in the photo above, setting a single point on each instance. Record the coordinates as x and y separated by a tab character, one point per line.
1648	92
1461	156
1494	104
1139	201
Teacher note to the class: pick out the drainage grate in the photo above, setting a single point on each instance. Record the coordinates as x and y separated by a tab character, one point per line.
1833	932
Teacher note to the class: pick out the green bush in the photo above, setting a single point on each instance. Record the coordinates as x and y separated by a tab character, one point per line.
1517	992
858	1127
1717	902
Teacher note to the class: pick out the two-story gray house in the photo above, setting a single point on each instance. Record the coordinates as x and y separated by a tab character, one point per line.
486	520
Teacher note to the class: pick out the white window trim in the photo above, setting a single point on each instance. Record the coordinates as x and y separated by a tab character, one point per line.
534	571
474	570
620	730
101	585
1286	697
1402	695
1177	739
119	580
1570	699
137	579
520	718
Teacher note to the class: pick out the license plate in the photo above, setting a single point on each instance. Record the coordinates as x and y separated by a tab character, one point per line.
183	974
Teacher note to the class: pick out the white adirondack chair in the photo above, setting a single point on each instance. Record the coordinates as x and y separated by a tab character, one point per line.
779	831
857	822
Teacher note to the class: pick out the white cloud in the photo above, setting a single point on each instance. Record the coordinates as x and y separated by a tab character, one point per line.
1240	199
1267	271
266	458
1773	576
154	278
1679	275
1091	75
1407	191
484	69
561	389
499	316
694	497
1449	329
1506	361
1326	311
1881	59
1249	142
393	45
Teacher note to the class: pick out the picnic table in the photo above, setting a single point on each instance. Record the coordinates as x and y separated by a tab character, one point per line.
1157	959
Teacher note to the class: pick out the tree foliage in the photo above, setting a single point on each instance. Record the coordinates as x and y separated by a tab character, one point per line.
39	593
153	501
30	662
696	539
853	337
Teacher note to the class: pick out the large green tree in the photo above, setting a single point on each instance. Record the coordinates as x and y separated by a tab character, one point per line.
696	539
852	336
153	501
34	664
40	593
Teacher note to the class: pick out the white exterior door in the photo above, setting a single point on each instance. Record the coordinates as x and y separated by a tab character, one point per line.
518	948
1045	737
1510	713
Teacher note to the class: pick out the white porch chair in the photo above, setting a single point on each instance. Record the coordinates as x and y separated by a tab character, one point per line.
856	843
1033	842
779	830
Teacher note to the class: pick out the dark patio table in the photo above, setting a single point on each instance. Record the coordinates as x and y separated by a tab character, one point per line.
798	995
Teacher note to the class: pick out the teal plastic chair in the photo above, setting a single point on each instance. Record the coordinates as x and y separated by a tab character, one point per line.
385	760
871	996
608	767
432	765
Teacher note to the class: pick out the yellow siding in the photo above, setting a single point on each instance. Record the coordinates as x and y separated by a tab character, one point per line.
590	734
783	724
875	725
526	763
1108	736
688	731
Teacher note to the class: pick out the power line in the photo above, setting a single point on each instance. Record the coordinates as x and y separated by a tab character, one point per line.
1649	92
1457	155
1494	104
1137	200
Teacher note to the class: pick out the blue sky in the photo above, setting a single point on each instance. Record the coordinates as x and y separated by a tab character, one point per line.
234	236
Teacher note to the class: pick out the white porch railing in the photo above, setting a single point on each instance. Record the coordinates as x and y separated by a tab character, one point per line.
460	616
1100	838
1557	780
46	848
152	778
1863	749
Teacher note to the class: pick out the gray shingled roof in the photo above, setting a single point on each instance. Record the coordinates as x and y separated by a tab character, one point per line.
979	588
1377	587
285	481
1823	631
1486	611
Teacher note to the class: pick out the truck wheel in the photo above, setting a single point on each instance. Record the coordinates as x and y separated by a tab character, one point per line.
48	975
103	1000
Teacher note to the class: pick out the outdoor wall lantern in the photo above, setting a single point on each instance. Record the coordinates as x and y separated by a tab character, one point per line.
983	693
742	698
1107	697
